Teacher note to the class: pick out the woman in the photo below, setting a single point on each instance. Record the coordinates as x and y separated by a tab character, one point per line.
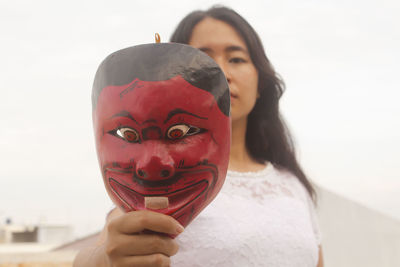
264	215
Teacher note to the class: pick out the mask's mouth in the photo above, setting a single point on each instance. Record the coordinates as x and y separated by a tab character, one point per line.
177	199
182	193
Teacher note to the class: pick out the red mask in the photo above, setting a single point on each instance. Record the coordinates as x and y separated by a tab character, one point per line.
162	144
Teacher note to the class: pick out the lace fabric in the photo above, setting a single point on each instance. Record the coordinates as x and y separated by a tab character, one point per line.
263	218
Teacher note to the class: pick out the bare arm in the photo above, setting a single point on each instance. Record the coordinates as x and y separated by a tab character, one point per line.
95	254
320	258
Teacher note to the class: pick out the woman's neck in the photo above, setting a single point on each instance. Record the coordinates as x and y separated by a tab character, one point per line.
239	157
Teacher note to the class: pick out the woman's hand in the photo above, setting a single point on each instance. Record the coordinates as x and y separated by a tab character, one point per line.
127	245
138	238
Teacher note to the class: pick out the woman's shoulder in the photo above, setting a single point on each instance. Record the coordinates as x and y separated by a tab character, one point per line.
300	192
292	182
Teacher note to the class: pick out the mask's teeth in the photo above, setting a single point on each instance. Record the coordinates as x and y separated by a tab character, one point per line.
156	203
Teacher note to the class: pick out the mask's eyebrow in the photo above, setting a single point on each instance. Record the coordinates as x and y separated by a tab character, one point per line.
125	114
180	111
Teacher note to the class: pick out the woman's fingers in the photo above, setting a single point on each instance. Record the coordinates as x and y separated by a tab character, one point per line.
154	260
137	221
134	245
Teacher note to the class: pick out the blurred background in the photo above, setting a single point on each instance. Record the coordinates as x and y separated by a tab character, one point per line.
340	61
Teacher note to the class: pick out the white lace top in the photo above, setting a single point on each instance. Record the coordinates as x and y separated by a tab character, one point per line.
263	218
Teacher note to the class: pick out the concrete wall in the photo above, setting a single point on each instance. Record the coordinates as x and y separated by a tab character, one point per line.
54	234
356	236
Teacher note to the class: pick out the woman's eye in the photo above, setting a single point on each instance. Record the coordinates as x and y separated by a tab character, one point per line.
237	60
128	134
181	130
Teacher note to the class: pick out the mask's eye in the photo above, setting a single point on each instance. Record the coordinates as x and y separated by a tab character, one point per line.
181	130
128	134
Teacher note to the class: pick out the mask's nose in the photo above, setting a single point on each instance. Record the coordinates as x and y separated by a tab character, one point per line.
155	163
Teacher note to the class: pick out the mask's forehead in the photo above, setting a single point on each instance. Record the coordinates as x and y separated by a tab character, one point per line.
158	100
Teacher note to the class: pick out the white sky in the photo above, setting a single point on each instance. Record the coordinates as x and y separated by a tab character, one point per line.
339	61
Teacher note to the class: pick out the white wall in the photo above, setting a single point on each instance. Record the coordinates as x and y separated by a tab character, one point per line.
354	235
54	234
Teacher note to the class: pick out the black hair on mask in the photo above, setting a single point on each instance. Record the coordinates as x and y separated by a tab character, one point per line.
160	62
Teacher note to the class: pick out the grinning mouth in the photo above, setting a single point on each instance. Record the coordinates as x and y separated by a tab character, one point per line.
178	199
158	183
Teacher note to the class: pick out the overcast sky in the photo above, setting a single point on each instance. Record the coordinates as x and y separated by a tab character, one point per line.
339	59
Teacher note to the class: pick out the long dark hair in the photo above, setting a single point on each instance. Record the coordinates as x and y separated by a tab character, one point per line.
267	136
